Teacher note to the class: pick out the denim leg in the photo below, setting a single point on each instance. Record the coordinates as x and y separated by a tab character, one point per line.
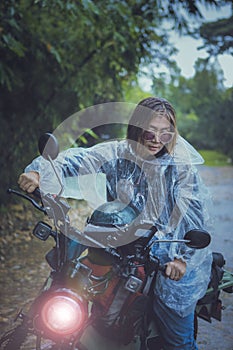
177	332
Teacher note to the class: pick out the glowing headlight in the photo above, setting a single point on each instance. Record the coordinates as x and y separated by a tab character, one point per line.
62	314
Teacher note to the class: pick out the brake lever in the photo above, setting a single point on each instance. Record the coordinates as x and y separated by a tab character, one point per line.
30	199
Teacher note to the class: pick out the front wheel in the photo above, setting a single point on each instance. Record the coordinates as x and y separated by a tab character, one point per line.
13	339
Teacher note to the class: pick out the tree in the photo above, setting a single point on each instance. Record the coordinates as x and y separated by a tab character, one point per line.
207	92
218	36
203	106
224	124
58	56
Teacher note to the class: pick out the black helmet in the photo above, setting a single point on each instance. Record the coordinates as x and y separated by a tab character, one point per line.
109	225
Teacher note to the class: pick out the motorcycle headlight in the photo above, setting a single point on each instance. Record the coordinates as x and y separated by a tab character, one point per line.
63	313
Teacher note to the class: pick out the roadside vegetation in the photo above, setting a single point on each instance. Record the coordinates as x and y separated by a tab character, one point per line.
59	57
214	158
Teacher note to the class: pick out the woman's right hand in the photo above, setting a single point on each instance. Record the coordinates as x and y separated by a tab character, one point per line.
28	182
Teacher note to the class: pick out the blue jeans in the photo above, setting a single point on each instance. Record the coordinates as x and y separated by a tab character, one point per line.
177	332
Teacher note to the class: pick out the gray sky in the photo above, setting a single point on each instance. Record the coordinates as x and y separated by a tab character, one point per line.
188	52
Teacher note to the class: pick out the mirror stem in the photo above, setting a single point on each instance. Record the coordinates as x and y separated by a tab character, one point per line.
57	175
172	241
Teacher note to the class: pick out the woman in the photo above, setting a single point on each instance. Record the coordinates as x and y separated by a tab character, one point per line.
154	171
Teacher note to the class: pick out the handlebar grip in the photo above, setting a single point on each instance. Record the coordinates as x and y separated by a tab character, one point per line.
162	268
37	193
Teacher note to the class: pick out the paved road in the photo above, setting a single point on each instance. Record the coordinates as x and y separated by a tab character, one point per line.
219	335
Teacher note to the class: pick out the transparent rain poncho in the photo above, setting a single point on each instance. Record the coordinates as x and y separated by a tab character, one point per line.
165	191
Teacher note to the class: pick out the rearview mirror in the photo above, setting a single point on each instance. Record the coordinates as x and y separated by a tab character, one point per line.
198	239
48	146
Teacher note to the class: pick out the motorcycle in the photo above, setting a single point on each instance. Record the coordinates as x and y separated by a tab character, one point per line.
97	294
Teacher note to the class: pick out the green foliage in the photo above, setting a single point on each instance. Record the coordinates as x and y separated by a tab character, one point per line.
133	93
218	36
203	105
214	158
59	56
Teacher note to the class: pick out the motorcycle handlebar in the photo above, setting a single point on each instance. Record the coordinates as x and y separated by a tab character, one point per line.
162	268
30	199
37	193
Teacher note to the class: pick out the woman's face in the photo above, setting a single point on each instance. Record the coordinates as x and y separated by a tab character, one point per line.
160	129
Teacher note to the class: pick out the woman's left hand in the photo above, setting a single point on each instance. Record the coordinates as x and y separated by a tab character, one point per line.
175	269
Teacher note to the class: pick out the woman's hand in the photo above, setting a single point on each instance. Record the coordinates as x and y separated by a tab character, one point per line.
175	269
28	182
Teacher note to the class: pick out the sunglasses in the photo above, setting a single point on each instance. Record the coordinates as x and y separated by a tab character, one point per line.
164	136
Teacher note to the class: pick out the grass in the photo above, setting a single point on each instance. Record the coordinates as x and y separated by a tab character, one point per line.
215	158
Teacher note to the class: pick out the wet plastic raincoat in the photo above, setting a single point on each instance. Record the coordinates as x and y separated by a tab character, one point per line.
166	191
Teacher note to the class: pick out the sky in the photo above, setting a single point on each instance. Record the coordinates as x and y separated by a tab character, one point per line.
188	52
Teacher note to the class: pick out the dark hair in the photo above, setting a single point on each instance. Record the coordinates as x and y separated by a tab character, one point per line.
144	112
